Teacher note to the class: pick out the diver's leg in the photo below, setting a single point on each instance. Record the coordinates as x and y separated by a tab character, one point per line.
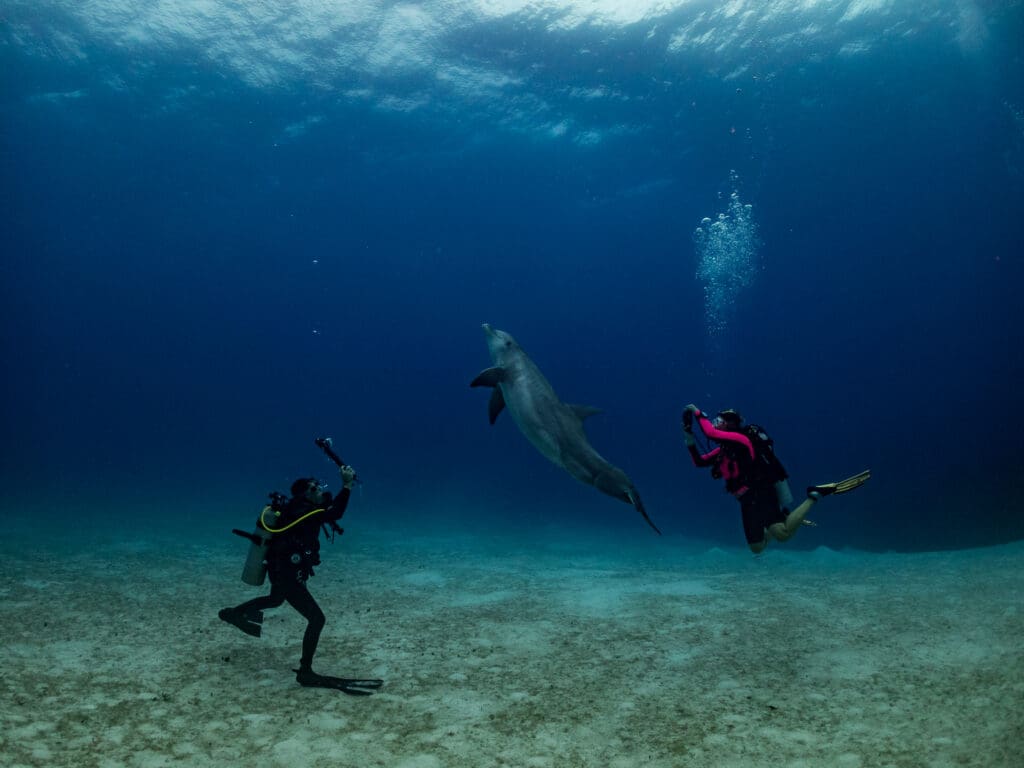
253	609
257	605
753	525
784	531
249	615
302	601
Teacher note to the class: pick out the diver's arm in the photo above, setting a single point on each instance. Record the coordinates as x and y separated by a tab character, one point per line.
340	502
699	459
334	512
721	436
703	459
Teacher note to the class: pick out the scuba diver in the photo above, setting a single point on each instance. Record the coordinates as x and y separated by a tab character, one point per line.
286	545
746	460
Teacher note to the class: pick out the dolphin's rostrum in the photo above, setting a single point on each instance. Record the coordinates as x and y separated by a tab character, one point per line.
554	428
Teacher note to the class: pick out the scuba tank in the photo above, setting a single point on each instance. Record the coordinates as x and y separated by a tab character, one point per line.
255	570
784	495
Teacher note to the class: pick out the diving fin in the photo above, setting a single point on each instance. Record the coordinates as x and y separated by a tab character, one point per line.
248	623
352	686
843	486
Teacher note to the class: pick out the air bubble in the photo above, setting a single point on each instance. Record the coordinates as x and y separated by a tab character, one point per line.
727	260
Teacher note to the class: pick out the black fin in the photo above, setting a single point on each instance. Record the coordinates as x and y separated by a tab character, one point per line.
349	685
583	411
634	498
240	620
496	404
490	377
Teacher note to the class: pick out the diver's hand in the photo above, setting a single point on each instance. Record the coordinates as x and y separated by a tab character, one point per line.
348	475
688	413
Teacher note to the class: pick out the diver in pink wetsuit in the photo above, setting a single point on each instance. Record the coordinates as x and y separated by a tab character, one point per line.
745	459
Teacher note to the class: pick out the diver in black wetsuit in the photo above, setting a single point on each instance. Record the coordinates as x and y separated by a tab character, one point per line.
293	550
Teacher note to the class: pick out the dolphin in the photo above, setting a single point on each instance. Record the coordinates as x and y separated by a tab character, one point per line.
554	428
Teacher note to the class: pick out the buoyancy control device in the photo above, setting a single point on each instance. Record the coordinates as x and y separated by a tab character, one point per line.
255	570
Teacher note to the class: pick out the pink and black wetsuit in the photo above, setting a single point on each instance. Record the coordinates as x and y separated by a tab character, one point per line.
733	460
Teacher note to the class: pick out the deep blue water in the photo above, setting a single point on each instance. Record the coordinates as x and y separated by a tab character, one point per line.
206	266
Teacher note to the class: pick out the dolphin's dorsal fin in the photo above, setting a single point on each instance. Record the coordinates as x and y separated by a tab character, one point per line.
583	411
496	404
490	377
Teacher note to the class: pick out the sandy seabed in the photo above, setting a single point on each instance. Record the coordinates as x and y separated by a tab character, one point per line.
545	652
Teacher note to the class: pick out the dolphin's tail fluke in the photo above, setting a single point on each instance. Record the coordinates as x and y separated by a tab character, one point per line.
634	499
616	484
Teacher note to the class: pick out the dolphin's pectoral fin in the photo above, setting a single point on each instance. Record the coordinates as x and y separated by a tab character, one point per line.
491	377
583	411
496	404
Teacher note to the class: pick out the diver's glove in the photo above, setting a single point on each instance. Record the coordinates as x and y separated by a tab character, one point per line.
688	413
348	475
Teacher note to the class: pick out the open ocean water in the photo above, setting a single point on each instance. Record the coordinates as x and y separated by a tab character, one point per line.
228	228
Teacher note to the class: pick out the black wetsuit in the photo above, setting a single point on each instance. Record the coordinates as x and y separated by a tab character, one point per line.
291	556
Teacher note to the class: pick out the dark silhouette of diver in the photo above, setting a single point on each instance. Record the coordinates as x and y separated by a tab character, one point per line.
745	459
292	528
